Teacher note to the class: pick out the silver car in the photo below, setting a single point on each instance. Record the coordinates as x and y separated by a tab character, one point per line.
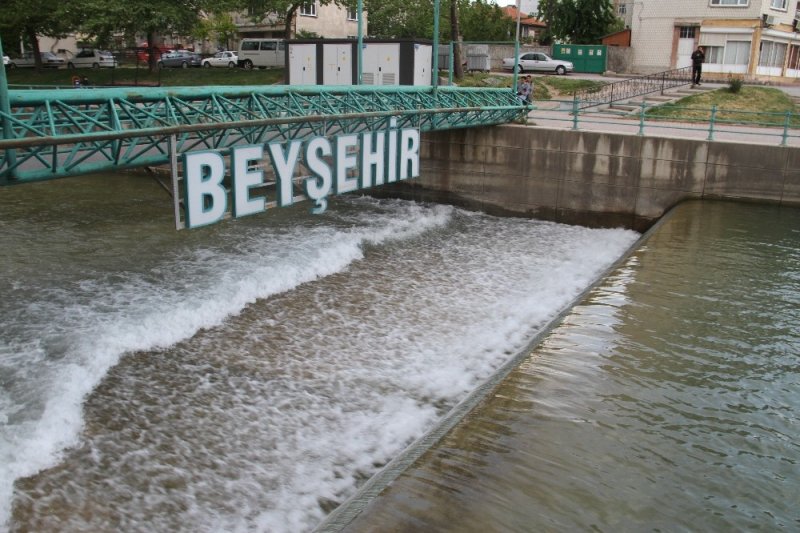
49	60
537	62
222	59
181	59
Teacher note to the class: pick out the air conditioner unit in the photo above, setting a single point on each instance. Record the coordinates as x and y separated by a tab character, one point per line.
795	23
768	20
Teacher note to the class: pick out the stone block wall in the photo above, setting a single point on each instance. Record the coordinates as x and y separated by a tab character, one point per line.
591	178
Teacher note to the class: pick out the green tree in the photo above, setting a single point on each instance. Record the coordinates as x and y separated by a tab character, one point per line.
216	26
24	20
151	18
400	18
578	21
484	21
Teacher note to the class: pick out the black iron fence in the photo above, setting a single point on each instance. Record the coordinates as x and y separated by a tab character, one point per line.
626	89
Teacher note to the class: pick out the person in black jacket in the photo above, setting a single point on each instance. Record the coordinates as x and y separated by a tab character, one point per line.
698	58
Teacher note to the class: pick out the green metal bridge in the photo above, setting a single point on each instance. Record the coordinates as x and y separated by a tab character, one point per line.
58	133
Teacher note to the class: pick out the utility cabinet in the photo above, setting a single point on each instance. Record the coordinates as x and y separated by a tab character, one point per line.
302	61
381	64
335	62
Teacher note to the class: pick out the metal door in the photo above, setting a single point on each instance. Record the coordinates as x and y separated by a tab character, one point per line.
303	64
338	64
686	42
585	57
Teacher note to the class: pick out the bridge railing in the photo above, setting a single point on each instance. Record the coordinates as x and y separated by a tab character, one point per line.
630	88
64	133
704	123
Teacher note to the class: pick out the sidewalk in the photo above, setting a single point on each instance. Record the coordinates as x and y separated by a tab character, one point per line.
557	114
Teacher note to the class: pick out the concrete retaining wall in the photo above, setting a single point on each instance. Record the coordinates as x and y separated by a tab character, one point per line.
593	179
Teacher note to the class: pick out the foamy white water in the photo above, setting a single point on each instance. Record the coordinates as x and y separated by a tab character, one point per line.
250	376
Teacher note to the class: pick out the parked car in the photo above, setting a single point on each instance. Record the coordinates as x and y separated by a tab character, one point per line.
180	58
537	62
49	60
262	53
89	57
221	59
143	54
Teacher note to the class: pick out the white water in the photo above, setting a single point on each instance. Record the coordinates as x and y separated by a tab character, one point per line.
273	364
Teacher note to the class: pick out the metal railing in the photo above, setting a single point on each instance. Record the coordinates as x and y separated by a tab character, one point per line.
702	123
630	88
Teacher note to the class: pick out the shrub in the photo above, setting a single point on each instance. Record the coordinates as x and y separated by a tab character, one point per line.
735	85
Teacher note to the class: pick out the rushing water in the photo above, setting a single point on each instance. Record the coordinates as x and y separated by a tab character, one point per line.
668	400
249	375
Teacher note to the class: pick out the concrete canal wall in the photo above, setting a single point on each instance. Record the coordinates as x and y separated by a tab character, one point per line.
592	178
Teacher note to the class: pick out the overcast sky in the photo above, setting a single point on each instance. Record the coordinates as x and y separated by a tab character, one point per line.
526	6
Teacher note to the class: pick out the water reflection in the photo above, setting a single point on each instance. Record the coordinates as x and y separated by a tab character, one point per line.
666	400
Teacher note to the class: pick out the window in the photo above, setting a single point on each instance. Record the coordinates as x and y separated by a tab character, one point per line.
737	53
687	32
352	14
737	3
622	9
269	45
309	9
772	54
794	57
249	46
778	4
714	54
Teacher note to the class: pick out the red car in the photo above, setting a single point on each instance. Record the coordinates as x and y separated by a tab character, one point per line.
143	52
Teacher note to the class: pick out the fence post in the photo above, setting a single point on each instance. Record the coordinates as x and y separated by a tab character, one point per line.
786	122
575	112
663	82
641	119
611	98
711	122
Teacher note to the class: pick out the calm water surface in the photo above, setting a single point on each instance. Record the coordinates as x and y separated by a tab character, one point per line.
669	400
251	375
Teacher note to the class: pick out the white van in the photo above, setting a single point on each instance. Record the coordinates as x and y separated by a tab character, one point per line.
91	58
262	53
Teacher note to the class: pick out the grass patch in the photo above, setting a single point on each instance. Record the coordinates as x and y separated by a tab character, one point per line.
169	77
544	87
762	106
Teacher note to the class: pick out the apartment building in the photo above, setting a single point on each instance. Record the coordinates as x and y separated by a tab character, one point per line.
750	38
329	21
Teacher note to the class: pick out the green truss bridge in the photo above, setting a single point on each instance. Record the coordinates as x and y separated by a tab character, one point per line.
58	133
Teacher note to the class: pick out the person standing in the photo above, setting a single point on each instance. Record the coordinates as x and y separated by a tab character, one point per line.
524	92
698	58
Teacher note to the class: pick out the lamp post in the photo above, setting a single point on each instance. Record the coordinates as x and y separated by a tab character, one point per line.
516	51
360	54
435	67
5	109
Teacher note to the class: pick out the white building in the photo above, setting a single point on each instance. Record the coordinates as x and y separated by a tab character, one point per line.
329	21
752	38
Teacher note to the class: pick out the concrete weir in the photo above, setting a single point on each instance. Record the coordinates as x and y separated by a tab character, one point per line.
593	178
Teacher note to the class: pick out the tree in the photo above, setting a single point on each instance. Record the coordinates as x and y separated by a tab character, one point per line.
578	21
24	20
484	21
151	18
390	19
217	26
